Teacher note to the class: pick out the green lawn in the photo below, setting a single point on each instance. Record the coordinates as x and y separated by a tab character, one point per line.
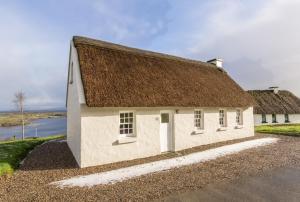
291	129
12	152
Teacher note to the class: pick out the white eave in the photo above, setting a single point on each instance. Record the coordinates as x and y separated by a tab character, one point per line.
73	57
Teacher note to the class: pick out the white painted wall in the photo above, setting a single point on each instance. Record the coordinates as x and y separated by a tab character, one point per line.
184	127
258	120
100	133
74	97
294	118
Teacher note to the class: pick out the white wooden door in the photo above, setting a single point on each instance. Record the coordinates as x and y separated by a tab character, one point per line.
165	131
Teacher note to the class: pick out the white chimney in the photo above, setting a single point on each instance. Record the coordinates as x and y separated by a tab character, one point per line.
217	61
275	89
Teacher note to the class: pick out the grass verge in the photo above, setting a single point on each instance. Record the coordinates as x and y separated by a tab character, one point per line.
12	152
291	129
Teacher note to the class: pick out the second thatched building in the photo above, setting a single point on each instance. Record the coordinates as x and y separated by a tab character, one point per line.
275	106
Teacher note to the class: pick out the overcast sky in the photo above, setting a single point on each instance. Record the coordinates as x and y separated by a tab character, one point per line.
258	40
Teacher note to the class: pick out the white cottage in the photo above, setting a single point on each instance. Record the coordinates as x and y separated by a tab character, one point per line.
124	103
275	106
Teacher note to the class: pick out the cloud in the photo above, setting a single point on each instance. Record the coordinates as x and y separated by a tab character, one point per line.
35	41
30	62
258	41
133	22
270	39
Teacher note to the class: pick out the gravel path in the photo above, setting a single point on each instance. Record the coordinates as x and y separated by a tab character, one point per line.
53	161
122	174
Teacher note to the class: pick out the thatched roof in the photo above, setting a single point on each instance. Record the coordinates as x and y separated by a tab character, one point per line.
268	102
119	76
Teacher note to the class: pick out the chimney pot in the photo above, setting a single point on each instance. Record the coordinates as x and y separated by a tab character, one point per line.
217	62
275	89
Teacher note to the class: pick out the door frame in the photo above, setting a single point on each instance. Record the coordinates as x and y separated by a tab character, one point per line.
171	134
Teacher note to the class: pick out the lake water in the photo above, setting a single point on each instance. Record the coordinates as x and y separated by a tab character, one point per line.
41	127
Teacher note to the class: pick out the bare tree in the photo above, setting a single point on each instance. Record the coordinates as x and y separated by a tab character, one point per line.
19	102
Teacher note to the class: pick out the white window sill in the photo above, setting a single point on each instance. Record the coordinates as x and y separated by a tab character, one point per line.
126	139
222	128
198	131
239	127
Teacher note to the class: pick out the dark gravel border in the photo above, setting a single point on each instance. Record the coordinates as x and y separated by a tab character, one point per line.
54	161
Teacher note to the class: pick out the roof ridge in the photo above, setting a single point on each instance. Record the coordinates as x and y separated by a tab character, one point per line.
268	90
147	53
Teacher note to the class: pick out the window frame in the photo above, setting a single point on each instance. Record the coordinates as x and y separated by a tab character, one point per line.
133	134
201	119
241	121
286	118
71	74
224	125
264	118
274	118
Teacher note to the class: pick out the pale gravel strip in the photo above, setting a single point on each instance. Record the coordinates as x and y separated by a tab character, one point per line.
122	174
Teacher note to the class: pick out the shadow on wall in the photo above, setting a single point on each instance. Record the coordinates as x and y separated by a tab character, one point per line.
49	156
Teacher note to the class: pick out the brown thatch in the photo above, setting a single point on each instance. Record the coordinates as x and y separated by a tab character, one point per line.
119	76
268	102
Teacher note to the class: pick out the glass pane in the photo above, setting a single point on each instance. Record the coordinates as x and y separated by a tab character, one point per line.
165	118
121	131
130	131
198	123
130	126
122	115
122	120
221	121
264	118
131	120
126	131
126	114
273	117
131	114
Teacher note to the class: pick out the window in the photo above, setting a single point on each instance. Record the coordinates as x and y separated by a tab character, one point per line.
274	120
263	118
198	119
71	74
164	118
126	124
222	118
286	118
239	117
